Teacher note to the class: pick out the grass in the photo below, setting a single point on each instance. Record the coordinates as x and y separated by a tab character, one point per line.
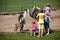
55	35
18	5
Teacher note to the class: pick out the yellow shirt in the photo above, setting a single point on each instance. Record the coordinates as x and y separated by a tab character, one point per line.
41	18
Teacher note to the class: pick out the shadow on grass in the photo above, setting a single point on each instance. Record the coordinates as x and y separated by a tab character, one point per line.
2	36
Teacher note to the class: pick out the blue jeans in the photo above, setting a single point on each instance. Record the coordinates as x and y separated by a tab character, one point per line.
46	23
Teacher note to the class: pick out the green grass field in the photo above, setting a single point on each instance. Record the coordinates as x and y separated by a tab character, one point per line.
55	35
18	5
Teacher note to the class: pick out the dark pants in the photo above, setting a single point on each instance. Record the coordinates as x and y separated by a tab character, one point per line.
21	27
46	23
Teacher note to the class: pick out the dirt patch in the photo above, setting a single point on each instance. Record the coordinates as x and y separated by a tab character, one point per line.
7	22
55	20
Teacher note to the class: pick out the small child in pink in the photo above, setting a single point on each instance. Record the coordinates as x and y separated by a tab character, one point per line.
34	25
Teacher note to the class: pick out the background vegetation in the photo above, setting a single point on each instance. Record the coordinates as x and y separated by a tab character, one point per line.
19	5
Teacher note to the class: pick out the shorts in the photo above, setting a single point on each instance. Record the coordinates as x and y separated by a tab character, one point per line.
41	26
33	29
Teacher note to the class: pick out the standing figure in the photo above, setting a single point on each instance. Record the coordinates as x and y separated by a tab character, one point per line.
40	22
48	19
34	25
34	11
21	21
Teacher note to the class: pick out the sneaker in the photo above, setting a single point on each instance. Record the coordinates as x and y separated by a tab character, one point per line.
38	36
30	34
34	35
47	34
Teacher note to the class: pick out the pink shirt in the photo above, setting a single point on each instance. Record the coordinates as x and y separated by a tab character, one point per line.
34	26
47	13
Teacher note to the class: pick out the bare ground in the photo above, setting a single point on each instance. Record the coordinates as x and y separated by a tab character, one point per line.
7	22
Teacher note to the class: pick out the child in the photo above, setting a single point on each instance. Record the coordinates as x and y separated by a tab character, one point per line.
40	23
34	25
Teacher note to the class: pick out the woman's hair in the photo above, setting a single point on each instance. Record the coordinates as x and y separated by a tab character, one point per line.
48	4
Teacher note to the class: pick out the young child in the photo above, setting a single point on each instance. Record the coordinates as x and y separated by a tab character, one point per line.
34	25
40	23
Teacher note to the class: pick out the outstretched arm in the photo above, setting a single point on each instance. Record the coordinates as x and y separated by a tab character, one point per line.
37	16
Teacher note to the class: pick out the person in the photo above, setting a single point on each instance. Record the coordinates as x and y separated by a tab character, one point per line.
34	26
44	9
40	22
47	20
34	10
21	20
47	9
34	6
